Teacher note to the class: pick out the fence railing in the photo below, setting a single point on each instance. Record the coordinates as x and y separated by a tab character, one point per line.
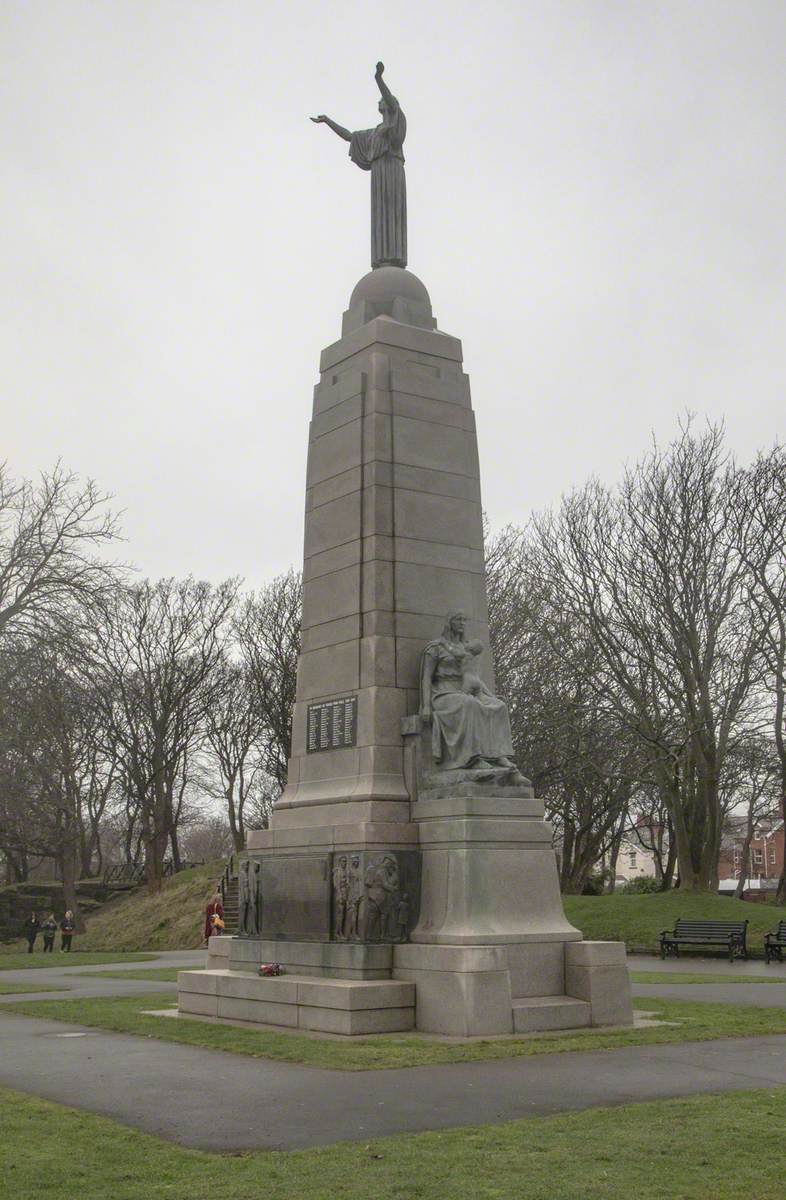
134	873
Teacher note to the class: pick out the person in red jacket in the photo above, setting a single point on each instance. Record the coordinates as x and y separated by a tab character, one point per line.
214	909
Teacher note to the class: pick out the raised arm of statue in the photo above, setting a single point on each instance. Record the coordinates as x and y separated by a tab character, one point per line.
385	91
339	129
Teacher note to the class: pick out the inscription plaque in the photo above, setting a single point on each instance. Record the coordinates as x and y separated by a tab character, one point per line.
332	724
296	897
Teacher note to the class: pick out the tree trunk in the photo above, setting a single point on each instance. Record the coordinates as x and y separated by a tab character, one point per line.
68	862
667	881
744	860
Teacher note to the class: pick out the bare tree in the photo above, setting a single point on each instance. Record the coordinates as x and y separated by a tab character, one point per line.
583	763
653	573
156	652
51	728
267	630
761	530
49	533
236	734
752	783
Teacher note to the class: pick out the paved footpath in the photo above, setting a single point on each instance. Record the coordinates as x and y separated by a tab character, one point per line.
78	981
166	1089
758	995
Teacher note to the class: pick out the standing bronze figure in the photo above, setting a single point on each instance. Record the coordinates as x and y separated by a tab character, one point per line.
380	151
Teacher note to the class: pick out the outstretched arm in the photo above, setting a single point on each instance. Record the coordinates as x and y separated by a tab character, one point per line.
339	129
387	95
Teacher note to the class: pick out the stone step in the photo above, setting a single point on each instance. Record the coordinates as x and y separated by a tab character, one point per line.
537	1014
343	1006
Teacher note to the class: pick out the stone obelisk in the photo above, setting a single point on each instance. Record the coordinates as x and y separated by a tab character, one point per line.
408	877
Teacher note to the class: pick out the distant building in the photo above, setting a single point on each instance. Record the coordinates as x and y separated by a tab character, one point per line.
766	857
634	861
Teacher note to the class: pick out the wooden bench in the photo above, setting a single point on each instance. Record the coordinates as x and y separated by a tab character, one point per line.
730	934
775	943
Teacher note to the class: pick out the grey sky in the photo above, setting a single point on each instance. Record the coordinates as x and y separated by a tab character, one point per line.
596	205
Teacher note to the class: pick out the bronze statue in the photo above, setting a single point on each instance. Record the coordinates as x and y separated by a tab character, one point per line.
380	151
470	725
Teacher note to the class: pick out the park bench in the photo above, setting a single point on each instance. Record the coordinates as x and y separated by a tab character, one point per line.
730	934
775	943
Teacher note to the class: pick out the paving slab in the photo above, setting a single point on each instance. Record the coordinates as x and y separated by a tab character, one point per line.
161	1088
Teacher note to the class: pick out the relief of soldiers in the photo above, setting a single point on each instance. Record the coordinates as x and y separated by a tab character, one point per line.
402	918
244	896
340	898
355	895
256	899
382	888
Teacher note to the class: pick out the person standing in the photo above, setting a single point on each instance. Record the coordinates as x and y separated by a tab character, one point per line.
214	909
49	929
66	931
32	926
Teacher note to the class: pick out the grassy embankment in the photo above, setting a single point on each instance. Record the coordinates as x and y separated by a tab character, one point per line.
638	920
669	1150
171	919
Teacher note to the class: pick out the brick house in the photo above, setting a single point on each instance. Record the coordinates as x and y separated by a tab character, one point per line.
766	856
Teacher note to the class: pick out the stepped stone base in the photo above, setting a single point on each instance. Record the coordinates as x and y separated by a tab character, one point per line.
537	1014
456	991
335	960
339	1006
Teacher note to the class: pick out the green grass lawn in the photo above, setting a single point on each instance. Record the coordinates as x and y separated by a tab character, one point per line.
638	920
669	1150
153	974
126	1014
17	960
678	977
17	989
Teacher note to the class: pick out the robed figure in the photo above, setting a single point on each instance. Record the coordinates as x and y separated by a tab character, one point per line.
380	151
470	726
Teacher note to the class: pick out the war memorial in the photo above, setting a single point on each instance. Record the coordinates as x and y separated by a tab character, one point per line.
407	880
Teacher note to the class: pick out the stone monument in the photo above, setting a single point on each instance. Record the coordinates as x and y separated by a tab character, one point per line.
408	878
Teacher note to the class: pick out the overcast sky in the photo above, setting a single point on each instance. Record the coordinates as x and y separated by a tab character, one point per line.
597	205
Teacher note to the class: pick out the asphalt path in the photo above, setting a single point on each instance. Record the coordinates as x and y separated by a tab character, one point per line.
763	995
161	1088
77	981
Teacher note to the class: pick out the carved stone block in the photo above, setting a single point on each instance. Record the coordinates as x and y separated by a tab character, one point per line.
376	895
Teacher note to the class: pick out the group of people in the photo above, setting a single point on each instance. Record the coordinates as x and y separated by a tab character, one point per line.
48	928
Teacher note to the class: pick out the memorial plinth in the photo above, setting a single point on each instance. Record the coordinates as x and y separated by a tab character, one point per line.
382	864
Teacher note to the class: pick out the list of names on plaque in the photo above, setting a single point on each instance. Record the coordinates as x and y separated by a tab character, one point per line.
332	724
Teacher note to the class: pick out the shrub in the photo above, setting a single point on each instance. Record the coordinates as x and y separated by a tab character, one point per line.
641	886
